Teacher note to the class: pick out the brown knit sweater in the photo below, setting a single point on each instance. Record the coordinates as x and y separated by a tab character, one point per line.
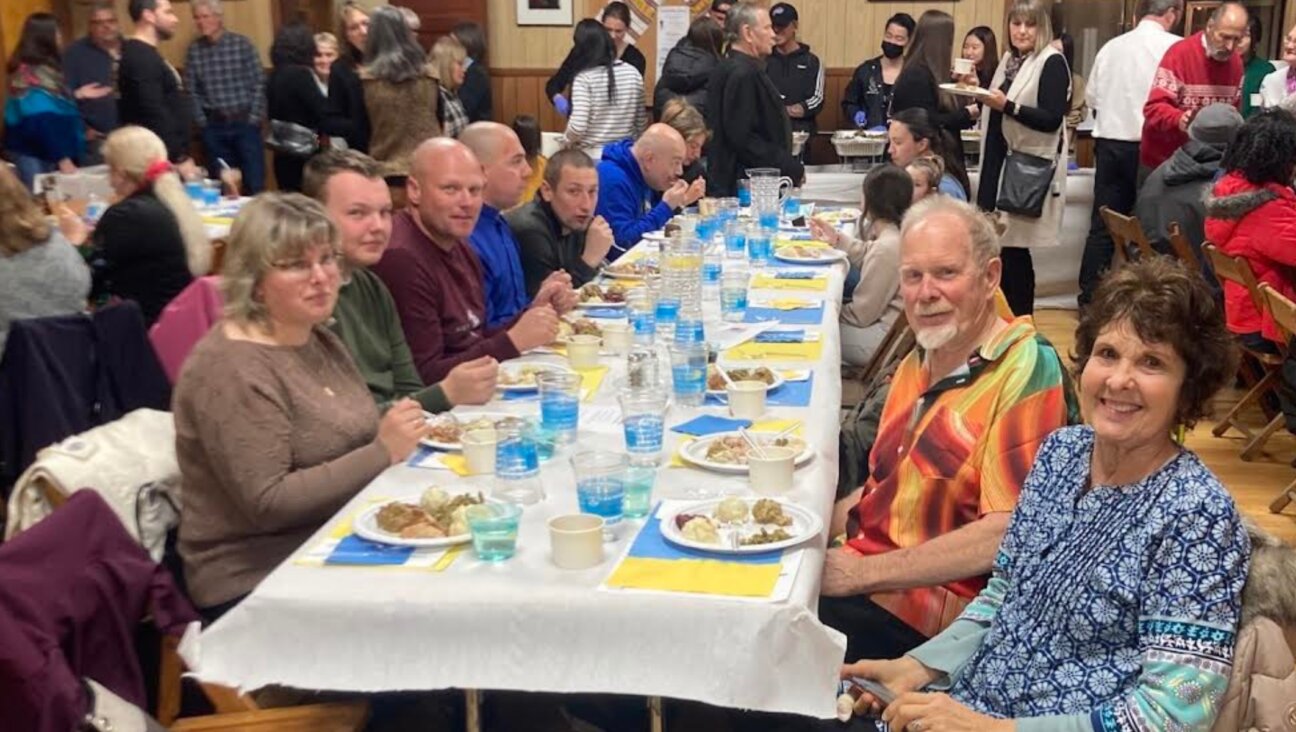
271	441
400	117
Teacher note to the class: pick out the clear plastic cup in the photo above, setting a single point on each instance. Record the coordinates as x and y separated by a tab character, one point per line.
735	239
494	528
560	404
733	295
760	246
600	485
688	373
641	309
643	418
638	490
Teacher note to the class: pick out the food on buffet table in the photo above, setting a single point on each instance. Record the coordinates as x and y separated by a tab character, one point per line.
767	511
716	382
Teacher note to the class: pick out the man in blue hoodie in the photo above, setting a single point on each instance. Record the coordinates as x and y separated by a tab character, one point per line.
640	186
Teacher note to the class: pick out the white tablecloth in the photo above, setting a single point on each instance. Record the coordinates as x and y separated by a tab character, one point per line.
526	625
1057	268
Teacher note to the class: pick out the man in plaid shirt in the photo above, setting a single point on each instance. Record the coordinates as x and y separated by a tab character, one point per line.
227	85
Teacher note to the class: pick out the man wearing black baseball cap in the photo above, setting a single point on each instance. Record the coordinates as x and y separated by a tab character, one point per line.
746	114
796	72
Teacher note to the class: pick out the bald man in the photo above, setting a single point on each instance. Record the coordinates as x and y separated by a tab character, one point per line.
640	186
435	277
506	169
1202	69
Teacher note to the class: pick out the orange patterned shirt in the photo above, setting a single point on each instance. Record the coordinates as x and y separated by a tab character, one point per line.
948	453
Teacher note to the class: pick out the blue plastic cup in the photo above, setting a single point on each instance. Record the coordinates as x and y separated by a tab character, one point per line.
760	247
600	485
689	373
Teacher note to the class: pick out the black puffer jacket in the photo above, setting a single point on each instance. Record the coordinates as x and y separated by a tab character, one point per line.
1176	192
685	73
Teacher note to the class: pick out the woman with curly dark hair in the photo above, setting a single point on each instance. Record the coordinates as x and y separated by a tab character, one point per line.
1117	590
1251	213
292	95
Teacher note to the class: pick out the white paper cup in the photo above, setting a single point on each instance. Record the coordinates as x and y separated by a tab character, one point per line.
746	399
618	338
963	66
576	540
771	475
583	351
479	450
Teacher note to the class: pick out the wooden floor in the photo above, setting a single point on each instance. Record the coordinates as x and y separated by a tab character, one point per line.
1253	484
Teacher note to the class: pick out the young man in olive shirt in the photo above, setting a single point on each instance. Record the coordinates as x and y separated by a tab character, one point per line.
352	189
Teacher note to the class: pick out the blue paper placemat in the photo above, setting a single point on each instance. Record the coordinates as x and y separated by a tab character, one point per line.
356	551
800	316
709	424
650	544
781	336
790	394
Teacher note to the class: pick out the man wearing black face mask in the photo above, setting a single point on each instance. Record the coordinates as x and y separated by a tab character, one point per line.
867	100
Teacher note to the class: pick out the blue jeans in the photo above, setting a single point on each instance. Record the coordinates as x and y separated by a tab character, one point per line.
239	144
30	166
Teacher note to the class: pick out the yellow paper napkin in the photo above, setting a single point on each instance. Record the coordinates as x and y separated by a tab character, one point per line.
676	460
591	380
811	243
218	220
456	462
766	282
753	351
700	576
777	425
789	303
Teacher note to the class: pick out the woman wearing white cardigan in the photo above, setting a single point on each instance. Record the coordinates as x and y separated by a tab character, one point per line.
1028	104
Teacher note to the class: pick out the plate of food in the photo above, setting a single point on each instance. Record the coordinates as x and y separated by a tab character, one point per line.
436	519
804	254
726	452
716	383
594	295
635	270
521	377
737	525
838	215
447	428
966	90
580	326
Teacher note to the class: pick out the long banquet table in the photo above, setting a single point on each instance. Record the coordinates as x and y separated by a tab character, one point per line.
524	624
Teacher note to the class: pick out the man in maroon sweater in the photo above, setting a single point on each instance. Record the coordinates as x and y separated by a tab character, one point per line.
435	277
1201	70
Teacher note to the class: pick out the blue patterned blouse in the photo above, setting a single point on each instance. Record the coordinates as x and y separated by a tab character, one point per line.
1111	609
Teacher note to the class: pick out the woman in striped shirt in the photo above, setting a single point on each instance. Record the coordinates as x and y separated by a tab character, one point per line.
607	94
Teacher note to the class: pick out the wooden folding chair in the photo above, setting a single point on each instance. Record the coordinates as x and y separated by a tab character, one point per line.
1236	270
897	344
1125	230
1284	315
1183	249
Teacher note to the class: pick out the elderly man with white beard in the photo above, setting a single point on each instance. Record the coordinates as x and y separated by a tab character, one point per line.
965	415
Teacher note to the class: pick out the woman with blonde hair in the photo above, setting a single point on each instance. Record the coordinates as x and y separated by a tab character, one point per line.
688	121
926	172
41	274
326	52
275	427
149	245
347	116
447	59
1024	130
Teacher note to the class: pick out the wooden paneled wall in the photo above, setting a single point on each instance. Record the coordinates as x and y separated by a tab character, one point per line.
252	18
842	32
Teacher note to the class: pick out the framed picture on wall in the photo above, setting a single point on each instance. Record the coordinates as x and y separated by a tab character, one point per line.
544	12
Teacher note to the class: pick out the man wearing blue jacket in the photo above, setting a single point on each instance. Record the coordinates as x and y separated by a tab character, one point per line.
640	186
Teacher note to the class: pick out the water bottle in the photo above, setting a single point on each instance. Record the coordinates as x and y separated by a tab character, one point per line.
517	464
95	208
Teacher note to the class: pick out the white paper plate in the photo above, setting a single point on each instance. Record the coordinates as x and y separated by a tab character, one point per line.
695	453
966	91
839	215
829	256
511	369
463	420
778	380
365	526
600	304
805	525
658	235
619	275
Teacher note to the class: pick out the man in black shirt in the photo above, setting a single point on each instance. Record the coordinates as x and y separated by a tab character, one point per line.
746	114
796	72
150	91
93	60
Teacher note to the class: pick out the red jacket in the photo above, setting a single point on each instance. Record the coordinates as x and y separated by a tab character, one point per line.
1257	223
